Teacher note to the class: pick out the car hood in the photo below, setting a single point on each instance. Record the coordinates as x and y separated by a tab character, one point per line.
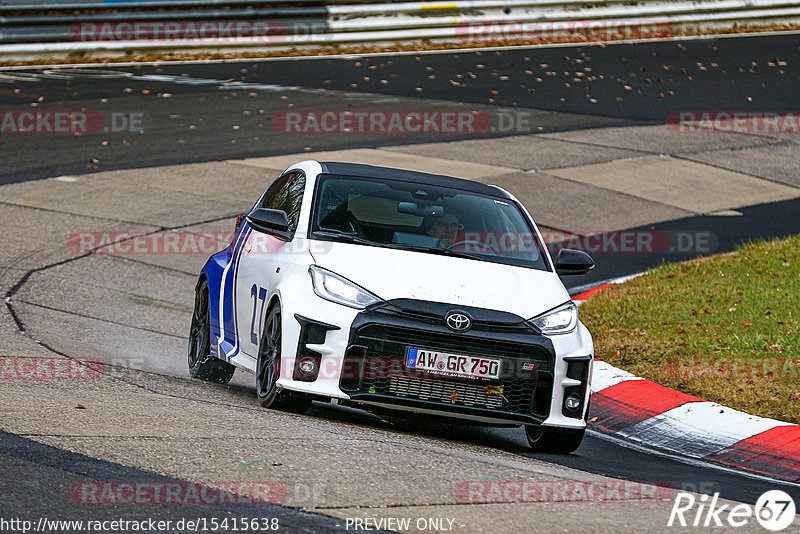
393	274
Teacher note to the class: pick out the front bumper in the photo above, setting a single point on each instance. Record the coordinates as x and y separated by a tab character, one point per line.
374	366
369	358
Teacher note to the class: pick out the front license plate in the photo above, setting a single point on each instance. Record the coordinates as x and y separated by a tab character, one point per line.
458	365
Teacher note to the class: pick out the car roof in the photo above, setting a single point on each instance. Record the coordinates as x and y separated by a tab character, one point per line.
371	171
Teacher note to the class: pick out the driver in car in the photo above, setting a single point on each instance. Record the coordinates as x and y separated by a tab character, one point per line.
445	229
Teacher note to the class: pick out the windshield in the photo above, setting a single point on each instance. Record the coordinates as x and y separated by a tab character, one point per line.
424	218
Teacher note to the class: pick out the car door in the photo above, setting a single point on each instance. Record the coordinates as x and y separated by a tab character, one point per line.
259	260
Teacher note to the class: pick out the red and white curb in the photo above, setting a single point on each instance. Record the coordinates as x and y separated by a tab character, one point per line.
644	412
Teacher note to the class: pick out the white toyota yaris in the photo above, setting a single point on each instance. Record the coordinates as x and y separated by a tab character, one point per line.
397	291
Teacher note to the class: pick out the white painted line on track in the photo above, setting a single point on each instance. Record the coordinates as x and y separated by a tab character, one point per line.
605	375
698	428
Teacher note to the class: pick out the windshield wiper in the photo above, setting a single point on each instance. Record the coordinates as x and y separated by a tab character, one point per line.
435	250
342	236
350	238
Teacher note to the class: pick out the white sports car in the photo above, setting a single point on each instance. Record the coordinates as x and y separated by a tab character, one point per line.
397	292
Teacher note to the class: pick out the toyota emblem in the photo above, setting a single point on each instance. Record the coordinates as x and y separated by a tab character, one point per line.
458	321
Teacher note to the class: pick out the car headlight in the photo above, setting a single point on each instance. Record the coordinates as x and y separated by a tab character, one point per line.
335	288
561	320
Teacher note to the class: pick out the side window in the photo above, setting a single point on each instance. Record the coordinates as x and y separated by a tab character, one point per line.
286	194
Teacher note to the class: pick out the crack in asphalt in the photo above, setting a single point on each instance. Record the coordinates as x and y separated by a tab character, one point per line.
167	304
162	267
778	143
512	459
72	214
9	296
509	462
683	156
109	321
24	279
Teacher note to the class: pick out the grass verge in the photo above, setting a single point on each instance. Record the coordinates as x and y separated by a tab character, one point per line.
725	328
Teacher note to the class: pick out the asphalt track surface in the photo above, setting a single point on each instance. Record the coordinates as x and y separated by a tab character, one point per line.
196	122
722	74
27	460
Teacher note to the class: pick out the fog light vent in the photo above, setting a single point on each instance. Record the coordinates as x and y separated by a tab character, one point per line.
573	402
307	362
307	366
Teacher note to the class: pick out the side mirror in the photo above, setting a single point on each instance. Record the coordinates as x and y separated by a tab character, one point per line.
569	262
267	220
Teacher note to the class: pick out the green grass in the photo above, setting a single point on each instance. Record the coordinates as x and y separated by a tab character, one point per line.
725	328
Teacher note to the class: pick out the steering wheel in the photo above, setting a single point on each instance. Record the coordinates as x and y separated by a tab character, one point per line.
483	248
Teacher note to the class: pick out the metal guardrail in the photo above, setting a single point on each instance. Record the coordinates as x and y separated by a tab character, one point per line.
114	27
47	5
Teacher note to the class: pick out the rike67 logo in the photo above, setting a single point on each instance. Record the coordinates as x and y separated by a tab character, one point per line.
774	510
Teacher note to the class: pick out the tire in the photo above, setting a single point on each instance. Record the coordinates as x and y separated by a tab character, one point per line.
268	369
552	440
201	364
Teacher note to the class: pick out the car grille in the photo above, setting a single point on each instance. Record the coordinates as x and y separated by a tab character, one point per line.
374	365
444	391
